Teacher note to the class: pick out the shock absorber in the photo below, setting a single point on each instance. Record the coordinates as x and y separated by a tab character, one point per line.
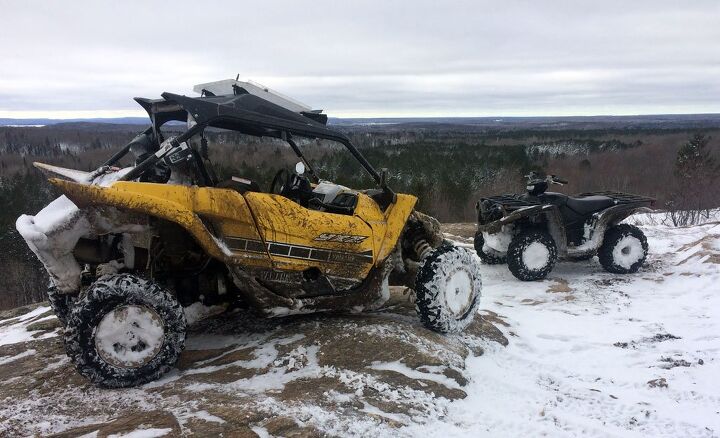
421	247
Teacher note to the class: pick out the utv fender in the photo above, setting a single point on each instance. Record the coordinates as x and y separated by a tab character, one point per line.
395	218
177	208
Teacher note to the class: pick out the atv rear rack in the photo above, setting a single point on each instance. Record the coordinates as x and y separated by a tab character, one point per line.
620	198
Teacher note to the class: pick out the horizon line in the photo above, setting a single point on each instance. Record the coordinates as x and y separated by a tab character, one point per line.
364	117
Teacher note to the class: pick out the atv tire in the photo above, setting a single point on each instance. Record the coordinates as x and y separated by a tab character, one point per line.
61	304
488	255
125	331
624	249
532	255
448	289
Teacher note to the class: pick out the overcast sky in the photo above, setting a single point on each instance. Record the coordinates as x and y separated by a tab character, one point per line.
366	58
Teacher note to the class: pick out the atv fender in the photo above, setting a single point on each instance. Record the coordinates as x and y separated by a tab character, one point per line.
496	226
604	220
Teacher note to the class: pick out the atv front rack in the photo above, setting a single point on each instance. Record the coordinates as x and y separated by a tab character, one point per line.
512	201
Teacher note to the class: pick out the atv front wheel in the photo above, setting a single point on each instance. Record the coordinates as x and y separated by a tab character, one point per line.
624	249
125	331
488	255
447	289
532	255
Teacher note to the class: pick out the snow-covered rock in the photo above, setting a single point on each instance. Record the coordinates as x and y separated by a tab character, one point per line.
243	375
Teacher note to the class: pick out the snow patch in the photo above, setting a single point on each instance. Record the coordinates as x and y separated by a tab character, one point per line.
7	359
401	368
143	433
198	311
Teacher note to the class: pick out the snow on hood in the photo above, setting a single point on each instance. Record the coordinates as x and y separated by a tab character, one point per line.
53	233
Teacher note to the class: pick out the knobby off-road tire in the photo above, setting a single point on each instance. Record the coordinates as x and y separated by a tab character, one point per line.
448	289
488	255
61	304
125	331
532	255
624	249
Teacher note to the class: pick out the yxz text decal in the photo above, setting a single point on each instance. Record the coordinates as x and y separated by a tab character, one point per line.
299	251
340	238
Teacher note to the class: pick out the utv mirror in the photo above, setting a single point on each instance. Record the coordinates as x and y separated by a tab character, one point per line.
300	168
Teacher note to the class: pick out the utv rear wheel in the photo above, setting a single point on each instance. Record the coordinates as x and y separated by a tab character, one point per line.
125	331
447	289
532	255
488	255
624	249
61	304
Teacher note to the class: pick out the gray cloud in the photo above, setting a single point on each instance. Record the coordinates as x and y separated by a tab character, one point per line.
369	58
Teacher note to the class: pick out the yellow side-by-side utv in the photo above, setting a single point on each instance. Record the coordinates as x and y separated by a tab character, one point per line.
132	251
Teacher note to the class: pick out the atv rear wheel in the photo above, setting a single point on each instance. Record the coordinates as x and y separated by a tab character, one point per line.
125	331
624	249
447	289
532	255
488	255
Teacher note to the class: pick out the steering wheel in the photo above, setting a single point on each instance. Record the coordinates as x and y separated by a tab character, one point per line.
280	182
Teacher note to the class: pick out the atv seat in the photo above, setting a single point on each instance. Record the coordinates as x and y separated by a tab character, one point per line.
241	185
589	204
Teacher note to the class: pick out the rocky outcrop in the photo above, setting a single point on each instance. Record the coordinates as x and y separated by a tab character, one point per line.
241	375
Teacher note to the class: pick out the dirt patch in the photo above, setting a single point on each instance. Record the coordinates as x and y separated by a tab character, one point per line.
669	362
464	230
658	383
560	286
708	250
660	337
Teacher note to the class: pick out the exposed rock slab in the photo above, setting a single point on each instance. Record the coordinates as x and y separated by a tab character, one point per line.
243	376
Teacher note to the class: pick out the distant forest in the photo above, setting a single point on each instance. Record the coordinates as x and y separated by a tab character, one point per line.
448	166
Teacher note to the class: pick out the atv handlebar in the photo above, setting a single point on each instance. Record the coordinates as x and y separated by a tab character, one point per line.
558	180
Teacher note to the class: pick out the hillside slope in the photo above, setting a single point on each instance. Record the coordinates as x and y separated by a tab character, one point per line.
583	352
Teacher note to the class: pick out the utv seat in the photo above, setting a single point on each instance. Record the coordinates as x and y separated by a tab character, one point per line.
589	204
240	185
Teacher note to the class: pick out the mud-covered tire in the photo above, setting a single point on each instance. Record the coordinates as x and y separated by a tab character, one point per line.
532	255
133	297
61	304
624	249
448	289
488	255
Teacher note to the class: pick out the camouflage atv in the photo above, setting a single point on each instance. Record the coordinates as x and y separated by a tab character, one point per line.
133	252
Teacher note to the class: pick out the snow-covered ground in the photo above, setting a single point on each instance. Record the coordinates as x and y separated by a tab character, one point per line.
590	353
597	354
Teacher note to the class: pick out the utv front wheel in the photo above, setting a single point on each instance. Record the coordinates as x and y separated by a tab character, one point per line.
125	331
624	249
61	304
447	289
488	255
532	255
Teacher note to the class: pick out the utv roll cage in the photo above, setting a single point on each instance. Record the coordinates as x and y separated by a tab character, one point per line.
242	112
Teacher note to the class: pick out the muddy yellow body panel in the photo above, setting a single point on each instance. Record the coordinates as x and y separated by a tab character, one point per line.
263	230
